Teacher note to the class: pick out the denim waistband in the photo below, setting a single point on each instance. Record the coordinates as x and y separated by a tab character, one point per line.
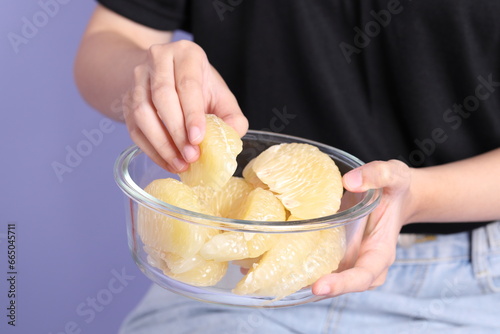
486	256
412	247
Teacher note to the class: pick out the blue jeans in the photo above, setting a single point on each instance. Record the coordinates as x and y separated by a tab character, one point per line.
438	284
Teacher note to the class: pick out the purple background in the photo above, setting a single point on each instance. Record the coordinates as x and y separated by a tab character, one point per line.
70	232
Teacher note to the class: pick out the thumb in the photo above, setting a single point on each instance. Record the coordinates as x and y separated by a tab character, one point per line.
376	174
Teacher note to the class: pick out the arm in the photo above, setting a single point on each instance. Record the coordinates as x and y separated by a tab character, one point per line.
466	190
111	47
463	190
163	89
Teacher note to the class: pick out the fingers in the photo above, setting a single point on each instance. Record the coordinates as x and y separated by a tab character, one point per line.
368	273
191	71
367	268
380	280
176	85
144	144
352	280
173	91
139	114
377	174
377	243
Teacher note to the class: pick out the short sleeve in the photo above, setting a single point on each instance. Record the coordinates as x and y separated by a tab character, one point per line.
157	14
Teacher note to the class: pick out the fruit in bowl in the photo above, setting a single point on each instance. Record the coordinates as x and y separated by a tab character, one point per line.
271	212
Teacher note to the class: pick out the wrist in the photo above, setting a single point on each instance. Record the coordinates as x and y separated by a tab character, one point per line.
417	197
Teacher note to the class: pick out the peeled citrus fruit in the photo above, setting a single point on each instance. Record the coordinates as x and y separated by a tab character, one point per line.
229	246
207	273
173	245
306	180
288	253
226	201
178	264
285	182
260	205
174	263
195	271
218	152
322	259
251	177
168	234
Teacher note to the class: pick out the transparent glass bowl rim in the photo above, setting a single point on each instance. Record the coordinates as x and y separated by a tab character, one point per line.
136	193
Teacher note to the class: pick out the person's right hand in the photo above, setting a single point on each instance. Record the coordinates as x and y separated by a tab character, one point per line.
165	111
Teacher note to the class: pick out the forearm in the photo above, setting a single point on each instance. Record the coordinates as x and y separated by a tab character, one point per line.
466	190
104	71
110	49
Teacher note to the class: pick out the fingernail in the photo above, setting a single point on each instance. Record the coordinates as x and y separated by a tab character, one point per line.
324	290
353	179
178	164
189	153
194	135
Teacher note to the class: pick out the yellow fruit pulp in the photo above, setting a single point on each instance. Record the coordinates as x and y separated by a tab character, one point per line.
226	201
218	152
285	182
288	253
173	243
323	259
306	180
260	205
168	234
195	271
251	177
178	264
208	273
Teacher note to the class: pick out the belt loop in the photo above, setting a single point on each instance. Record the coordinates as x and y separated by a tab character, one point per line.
470	234
479	248
493	232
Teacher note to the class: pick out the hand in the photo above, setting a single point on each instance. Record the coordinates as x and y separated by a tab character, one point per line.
165	112
366	267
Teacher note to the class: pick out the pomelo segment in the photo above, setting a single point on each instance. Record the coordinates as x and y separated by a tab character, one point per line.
218	152
208	273
306	180
322	260
171	235
285	182
251	177
260	205
172	244
178	264
226	201
203	273
287	254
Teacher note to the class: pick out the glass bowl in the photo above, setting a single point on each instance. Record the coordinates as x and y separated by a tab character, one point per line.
134	171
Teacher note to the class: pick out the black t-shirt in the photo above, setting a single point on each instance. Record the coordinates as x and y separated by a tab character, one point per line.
417	81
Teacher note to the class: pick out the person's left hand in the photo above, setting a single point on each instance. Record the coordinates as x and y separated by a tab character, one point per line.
366	267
